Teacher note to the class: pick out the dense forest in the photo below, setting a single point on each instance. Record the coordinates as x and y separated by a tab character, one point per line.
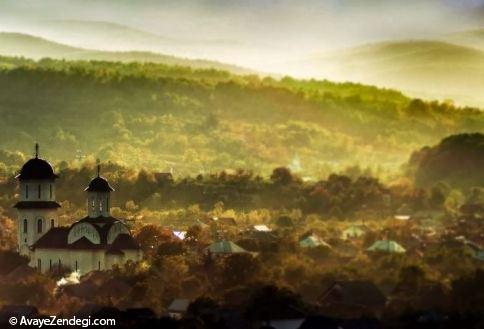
191	121
457	160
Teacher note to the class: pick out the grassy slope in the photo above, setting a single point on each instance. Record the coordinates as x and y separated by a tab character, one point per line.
430	69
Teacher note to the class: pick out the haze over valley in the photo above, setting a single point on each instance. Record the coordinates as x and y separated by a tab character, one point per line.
385	43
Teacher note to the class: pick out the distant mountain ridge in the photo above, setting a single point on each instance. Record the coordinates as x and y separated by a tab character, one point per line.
103	31
469	38
421	68
24	45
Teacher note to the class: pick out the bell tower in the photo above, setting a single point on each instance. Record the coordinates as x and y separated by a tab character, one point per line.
37	207
98	196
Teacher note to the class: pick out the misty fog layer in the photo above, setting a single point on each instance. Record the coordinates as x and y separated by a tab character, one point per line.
258	34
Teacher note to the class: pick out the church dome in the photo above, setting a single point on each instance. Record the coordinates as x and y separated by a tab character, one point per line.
99	184
36	169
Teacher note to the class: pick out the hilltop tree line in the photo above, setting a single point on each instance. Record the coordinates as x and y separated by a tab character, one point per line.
204	121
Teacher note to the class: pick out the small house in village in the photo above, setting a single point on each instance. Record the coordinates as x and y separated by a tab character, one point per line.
353	299
352	232
225	247
386	246
312	241
178	308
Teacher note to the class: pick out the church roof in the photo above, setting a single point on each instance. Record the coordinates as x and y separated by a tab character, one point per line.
84	244
101	224
36	169
99	184
37	205
56	238
98	220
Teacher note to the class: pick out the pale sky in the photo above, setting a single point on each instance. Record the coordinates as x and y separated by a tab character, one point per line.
251	32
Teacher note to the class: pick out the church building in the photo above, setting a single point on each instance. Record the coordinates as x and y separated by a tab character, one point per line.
95	242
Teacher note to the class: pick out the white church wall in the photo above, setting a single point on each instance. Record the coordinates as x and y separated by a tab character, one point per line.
85	260
26	239
29	190
86	230
115	230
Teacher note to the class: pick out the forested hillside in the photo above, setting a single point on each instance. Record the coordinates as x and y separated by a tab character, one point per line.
161	117
456	160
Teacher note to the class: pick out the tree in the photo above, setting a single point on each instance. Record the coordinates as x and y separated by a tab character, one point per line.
410	280
149	238
271	302
171	248
438	194
467	295
240	268
201	305
282	176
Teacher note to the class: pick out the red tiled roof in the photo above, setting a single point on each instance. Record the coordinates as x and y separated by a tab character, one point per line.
55	238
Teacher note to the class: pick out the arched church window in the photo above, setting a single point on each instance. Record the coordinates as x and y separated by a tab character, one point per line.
26	191
52	223
39	225
40	190
25	225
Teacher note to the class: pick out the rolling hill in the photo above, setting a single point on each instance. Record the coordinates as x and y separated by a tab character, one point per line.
17	44
148	115
470	38
428	69
457	160
115	37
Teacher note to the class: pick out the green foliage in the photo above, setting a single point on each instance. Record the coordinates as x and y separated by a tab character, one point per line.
457	160
203	120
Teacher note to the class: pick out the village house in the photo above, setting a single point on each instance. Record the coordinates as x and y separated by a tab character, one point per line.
353	299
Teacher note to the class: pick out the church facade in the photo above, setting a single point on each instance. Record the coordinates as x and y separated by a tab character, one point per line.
95	242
